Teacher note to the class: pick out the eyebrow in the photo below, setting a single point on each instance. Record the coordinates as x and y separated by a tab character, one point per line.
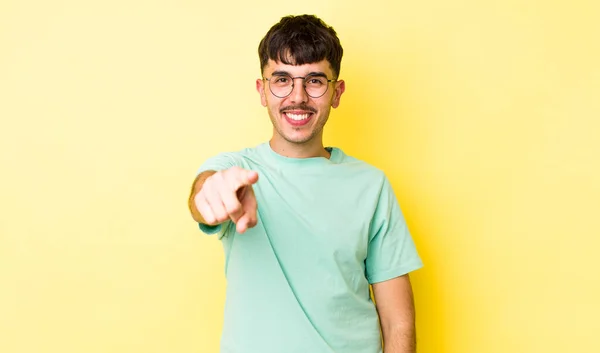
314	73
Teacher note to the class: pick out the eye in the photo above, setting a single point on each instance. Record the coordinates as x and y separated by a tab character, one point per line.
281	79
315	81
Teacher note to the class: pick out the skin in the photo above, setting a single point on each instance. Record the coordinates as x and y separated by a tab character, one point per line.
218	196
307	140
224	195
395	306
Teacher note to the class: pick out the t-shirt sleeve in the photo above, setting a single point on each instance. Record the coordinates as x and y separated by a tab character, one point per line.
391	251
219	162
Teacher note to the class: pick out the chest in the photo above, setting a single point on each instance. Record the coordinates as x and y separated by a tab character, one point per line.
322	217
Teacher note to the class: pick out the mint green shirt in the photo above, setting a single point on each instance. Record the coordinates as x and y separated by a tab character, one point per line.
298	282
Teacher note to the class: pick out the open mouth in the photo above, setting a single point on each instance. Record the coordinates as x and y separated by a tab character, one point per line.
297	118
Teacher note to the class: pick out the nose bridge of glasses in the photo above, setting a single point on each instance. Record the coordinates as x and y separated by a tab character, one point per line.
301	89
293	80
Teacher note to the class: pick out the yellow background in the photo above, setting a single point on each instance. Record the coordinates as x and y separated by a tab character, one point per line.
484	114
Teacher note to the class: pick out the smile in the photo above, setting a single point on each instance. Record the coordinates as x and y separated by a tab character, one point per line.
296	118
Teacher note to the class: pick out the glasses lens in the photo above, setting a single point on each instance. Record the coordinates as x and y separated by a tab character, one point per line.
316	86
281	85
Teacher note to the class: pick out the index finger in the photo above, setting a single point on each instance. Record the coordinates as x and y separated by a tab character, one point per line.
249	177
242	177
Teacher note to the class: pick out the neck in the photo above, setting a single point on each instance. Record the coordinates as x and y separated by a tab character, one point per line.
299	150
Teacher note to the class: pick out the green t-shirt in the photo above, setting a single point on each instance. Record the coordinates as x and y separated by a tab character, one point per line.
298	282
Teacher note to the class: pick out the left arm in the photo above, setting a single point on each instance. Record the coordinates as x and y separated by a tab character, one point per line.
395	306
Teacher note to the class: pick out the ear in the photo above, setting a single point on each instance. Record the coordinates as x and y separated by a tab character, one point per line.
340	87
260	87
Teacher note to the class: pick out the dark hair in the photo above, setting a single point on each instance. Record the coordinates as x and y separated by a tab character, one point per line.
298	40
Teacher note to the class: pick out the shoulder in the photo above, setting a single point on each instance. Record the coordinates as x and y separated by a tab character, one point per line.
246	152
228	159
359	168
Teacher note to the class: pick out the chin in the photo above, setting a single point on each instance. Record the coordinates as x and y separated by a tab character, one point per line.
298	139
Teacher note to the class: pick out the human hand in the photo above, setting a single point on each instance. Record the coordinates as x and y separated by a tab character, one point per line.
228	194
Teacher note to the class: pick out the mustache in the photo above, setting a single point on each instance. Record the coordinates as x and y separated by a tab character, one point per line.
298	107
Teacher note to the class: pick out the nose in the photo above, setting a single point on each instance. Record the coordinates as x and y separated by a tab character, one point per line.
298	94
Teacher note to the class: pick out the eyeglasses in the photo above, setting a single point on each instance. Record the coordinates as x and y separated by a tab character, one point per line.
282	85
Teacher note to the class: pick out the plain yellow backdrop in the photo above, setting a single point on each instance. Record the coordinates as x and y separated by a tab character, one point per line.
485	115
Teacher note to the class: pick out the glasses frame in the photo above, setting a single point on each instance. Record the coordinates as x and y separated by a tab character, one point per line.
303	84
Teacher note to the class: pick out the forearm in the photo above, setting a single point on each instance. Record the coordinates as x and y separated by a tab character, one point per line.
399	338
396	309
196	187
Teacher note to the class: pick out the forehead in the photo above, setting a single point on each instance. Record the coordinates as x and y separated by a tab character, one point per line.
299	70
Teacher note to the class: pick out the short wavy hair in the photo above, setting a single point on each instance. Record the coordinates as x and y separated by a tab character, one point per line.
298	40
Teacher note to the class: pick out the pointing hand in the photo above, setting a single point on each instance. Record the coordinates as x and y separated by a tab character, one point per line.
228	194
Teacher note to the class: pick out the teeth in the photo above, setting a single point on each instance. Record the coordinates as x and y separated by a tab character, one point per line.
297	116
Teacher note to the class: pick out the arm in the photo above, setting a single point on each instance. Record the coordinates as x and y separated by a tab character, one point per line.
196	187
395	306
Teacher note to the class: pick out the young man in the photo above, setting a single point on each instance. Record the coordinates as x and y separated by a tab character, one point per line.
306	228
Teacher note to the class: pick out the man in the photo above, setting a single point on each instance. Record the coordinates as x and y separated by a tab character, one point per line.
306	229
